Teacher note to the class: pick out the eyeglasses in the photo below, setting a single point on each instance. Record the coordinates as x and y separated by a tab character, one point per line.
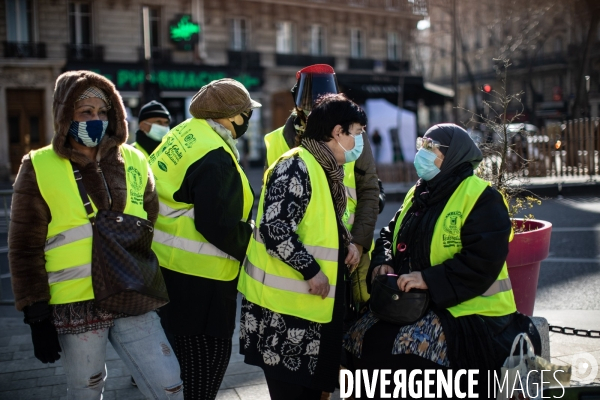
362	130
428	144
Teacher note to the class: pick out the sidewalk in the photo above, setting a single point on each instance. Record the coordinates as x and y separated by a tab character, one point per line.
22	376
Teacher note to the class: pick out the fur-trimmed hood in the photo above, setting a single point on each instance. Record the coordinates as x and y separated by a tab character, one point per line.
69	86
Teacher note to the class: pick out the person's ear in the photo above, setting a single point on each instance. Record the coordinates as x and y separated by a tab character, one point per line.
337	131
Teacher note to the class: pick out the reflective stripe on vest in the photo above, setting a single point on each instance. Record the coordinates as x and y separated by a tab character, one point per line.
277	146
498	299
279	282
177	243
167	211
271	283
502	285
351	191
189	245
81	271
322	253
68	248
69	236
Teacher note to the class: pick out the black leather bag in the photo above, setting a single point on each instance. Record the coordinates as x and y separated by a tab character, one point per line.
126	277
390	304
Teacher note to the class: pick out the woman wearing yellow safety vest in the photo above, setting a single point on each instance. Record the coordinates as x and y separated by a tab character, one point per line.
293	276
451	238
203	229
50	243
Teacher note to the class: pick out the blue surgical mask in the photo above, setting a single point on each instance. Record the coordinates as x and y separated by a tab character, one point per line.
352	155
88	133
425	164
157	132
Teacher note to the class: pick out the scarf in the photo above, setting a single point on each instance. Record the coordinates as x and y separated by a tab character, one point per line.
226	136
416	229
335	178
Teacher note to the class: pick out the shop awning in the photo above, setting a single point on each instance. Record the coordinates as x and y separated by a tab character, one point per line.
360	87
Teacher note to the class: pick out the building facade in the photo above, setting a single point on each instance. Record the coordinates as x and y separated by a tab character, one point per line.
543	39
262	43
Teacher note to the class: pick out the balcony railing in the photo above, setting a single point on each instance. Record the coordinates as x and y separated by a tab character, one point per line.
415	7
243	59
24	50
302	60
361	63
397	66
159	54
84	52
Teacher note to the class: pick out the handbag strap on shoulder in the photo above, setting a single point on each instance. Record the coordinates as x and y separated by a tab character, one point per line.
87	203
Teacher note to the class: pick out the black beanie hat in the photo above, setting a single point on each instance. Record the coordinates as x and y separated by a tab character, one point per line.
152	110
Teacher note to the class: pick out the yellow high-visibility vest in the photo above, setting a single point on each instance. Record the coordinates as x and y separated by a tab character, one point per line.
177	243
276	146
273	284
68	249
141	149
498	300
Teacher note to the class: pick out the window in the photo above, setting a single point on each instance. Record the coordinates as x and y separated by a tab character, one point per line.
357	43
80	23
392	4
284	43
239	34
317	40
558	45
19	21
393	46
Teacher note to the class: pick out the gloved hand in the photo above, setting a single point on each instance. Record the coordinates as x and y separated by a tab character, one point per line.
45	341
43	333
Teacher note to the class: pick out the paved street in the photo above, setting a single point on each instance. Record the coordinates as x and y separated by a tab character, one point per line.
568	295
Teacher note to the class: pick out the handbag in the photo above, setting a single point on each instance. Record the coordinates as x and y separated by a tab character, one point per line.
525	368
390	304
126	277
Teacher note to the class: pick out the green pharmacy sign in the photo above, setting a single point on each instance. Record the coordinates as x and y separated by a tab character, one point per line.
184	32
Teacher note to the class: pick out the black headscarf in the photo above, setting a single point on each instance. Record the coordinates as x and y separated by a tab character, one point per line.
461	148
461	157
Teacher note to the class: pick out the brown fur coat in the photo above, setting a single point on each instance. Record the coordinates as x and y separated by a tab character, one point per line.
30	214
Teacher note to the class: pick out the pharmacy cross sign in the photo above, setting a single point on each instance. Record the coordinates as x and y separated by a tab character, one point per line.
184	32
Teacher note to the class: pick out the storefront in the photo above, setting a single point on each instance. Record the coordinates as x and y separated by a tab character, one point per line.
177	84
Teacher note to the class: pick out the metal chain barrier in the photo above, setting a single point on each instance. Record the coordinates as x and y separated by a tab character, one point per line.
575	332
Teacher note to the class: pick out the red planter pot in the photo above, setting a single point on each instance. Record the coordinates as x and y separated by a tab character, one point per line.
525	254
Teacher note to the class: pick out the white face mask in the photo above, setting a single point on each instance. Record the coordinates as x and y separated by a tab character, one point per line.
157	132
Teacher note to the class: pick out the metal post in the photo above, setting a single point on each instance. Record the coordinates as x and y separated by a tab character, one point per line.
454	65
147	45
198	10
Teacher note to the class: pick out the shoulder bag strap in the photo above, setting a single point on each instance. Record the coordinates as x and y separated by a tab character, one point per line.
87	203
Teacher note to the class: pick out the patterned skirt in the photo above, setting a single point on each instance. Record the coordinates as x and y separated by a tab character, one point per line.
425	338
278	342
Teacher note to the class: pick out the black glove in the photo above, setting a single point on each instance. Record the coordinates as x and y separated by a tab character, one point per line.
43	332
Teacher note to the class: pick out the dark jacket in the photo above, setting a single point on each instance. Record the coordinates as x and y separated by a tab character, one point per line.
30	214
367	188
200	305
145	142
469	273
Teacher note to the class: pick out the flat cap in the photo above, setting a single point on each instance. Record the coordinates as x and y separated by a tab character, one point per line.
222	98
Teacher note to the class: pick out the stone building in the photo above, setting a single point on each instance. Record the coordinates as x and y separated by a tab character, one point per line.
544	40
262	43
